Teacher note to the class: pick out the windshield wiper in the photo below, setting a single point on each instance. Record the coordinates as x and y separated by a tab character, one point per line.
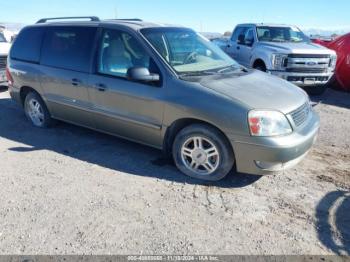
197	73
231	68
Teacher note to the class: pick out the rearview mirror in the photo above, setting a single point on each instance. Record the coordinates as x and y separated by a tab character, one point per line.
142	74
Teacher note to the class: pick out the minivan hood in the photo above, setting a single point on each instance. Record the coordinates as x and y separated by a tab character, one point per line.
296	48
4	48
258	90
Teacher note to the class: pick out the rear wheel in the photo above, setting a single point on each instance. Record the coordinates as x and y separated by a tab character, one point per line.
202	152
36	110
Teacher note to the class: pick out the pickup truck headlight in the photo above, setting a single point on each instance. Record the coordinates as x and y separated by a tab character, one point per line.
333	61
279	61
268	123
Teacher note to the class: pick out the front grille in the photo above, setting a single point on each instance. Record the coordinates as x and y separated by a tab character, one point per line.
3	62
304	63
308	56
307	70
301	114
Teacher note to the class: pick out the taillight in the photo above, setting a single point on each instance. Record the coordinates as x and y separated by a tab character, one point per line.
9	76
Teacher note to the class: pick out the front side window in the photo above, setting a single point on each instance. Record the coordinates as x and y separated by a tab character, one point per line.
188	52
281	34
238	31
68	48
119	51
249	37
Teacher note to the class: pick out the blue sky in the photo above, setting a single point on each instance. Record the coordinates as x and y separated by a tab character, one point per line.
206	15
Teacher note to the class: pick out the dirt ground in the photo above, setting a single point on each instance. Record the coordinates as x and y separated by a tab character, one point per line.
69	190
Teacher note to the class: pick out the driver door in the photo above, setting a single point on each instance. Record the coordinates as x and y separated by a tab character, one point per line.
244	46
234	47
122	107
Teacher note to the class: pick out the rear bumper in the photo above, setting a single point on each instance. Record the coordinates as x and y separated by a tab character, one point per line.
299	78
260	156
3	80
15	94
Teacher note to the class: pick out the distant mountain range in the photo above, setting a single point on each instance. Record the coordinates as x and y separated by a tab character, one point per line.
326	32
15	27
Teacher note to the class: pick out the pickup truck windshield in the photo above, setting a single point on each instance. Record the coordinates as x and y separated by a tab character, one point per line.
281	34
187	52
2	38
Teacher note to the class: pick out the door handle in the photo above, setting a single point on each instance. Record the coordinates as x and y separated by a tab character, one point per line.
76	82
101	87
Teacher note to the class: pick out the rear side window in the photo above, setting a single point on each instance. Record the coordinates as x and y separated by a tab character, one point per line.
27	45
68	48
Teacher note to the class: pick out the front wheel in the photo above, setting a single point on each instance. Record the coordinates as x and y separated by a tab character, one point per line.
202	152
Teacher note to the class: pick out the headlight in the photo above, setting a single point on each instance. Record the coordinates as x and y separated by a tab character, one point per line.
333	61
279	61
268	123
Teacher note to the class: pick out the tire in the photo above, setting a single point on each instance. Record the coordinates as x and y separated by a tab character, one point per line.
36	111
260	67
315	90
209	140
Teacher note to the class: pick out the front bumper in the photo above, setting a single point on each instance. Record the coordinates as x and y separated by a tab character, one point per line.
304	79
263	155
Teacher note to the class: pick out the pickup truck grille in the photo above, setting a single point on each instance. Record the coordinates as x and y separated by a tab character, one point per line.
307	70
300	63
2	63
301	114
308	56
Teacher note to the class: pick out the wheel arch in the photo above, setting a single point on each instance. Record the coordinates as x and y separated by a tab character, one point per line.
180	124
24	91
258	62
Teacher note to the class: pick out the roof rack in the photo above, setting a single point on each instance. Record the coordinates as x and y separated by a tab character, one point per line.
127	19
92	18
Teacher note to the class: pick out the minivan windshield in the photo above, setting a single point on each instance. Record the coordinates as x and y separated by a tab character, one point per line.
2	38
189	53
281	34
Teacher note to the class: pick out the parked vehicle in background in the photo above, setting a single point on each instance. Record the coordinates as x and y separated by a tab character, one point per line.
220	42
8	34
164	86
284	51
4	50
341	46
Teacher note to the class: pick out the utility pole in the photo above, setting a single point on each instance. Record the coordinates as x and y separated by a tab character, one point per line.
115	12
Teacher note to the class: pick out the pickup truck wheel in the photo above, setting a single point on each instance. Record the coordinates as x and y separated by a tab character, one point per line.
316	90
260	67
36	110
202	152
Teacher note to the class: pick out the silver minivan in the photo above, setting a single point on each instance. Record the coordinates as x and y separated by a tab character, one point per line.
163	86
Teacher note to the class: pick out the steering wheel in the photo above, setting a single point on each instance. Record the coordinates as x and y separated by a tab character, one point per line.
191	58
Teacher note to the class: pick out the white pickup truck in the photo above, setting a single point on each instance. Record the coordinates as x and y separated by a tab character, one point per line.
284	51
4	50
